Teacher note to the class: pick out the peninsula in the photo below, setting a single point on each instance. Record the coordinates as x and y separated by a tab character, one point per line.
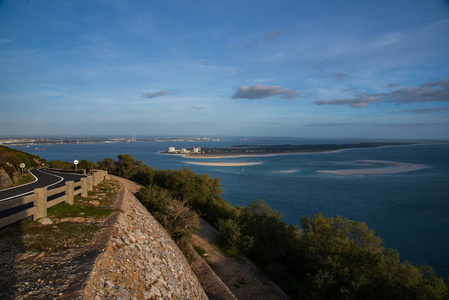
259	150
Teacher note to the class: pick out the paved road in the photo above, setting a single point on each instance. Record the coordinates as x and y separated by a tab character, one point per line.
44	178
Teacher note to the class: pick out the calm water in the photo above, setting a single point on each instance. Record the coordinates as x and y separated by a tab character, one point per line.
408	210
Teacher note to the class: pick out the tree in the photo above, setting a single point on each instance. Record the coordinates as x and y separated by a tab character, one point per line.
107	164
126	165
85	164
143	175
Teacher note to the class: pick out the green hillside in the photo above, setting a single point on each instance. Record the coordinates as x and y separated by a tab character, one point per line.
10	160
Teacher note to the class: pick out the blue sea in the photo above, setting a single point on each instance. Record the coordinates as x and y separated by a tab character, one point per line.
409	210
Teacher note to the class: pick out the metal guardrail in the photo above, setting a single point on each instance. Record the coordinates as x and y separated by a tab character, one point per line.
41	202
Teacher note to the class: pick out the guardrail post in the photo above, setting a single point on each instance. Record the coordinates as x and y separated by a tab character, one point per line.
69	191
84	186
96	178
90	181
40	203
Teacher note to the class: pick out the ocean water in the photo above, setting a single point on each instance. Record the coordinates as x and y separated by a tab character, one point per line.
409	210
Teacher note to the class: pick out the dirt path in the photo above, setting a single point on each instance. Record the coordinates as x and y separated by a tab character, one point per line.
130	185
241	276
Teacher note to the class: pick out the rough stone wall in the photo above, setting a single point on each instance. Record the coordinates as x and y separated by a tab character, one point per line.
141	261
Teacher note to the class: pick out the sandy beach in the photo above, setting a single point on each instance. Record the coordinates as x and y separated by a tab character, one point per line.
391	167
223	164
208	156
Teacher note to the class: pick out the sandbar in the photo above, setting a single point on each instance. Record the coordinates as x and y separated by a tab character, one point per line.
391	168
221	164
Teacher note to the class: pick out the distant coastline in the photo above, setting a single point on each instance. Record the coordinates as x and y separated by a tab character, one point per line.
274	150
18	141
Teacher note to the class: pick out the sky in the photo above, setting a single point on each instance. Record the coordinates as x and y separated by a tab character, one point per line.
325	69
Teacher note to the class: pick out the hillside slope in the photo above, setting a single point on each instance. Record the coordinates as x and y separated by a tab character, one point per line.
10	160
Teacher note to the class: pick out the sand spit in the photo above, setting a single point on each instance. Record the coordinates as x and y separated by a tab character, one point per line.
221	164
220	156
391	168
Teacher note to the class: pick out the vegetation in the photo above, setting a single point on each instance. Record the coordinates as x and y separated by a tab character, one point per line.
10	160
14	158
176	217
330	258
58	164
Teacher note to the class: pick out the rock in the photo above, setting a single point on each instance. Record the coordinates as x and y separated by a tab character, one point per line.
124	292
5	181
45	221
94	202
74	220
20	256
110	284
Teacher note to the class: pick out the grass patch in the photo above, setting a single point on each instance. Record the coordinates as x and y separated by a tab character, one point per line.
98	203
64	210
199	250
231	252
26	178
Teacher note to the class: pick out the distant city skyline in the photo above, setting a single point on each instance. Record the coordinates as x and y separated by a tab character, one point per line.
322	69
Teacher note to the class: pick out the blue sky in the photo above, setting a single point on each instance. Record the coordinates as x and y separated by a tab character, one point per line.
372	69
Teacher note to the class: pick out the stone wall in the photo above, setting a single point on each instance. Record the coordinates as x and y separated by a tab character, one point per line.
141	261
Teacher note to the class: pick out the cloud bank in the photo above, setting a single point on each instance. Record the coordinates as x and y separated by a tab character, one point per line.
423	110
156	94
260	91
437	91
376	124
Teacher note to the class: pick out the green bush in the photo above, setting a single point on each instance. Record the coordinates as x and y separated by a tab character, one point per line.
175	216
57	164
230	232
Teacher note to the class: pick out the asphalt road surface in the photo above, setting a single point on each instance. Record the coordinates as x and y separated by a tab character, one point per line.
44	178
